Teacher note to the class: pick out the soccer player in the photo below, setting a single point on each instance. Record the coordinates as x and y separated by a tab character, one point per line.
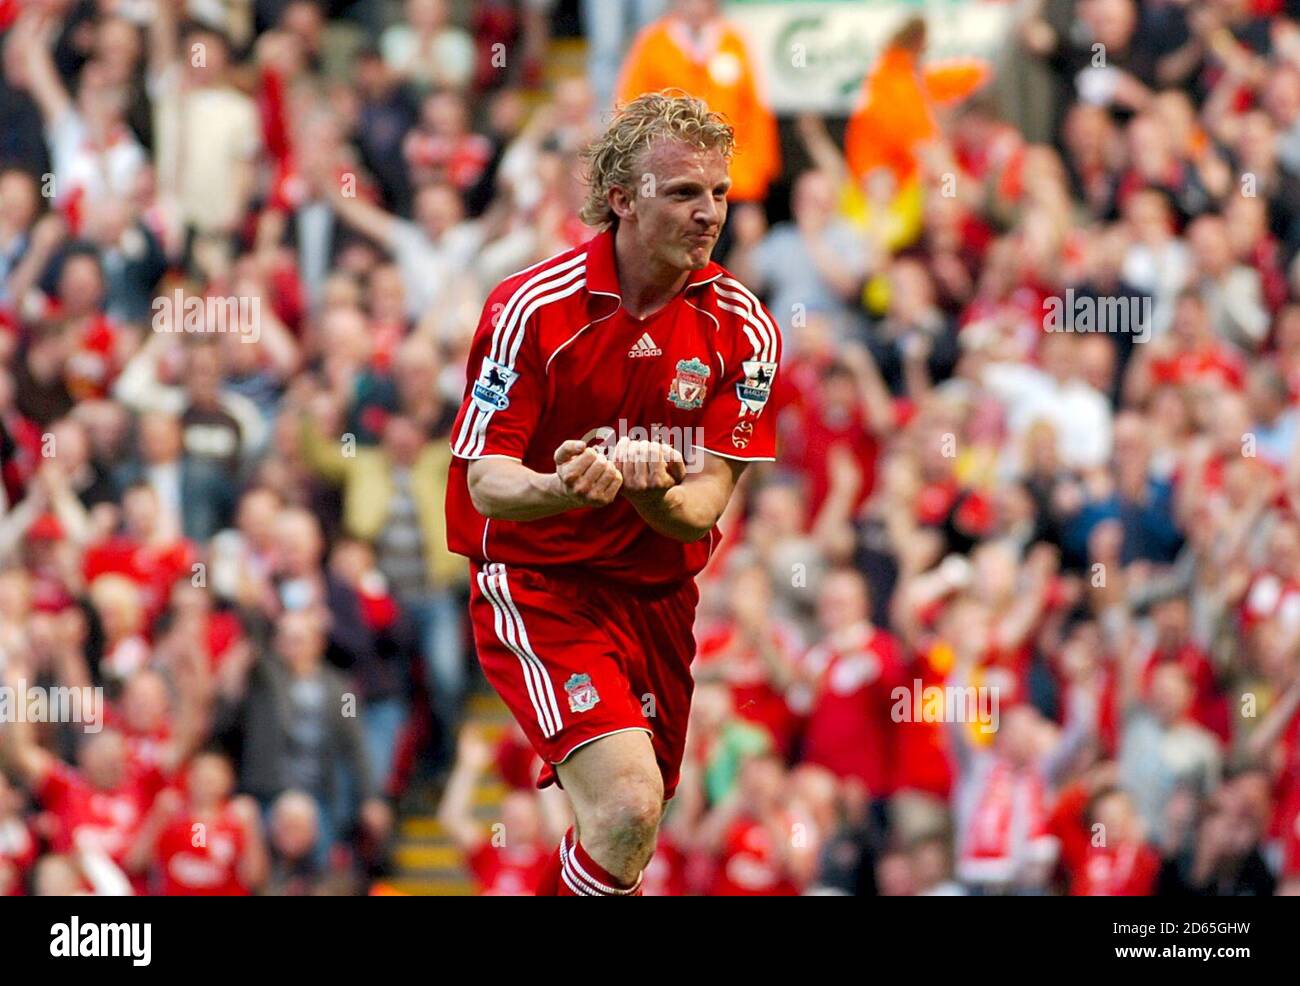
615	397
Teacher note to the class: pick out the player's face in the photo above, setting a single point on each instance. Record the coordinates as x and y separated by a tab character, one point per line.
679	214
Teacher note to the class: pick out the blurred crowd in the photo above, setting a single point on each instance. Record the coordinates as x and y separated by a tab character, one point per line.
1082	535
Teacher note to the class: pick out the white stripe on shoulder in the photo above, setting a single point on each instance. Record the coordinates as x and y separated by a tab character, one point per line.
541	263
472	437
746	311
772	334
538	281
558	290
747	324
764	344
478	438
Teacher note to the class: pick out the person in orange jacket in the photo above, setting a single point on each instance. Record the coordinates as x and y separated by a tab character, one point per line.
695	49
895	115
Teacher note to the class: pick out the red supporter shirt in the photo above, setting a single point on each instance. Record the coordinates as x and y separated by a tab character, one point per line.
92	366
155	569
461	160
809	428
1129	870
1069	824
224	631
144	748
749	680
1271	597
1210	708
923	758
209	869
749	865
508	871
111	817
1214	362
1287	820
665	874
850	731
556	357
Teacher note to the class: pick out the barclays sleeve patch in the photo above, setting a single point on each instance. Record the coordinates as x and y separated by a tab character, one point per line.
756	388
493	383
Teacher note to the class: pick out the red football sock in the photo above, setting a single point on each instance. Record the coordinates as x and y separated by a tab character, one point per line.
582	876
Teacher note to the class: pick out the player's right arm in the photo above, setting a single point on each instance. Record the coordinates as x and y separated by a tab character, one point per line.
502	488
504	399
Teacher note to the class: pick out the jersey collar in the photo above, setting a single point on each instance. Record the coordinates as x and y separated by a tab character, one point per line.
602	273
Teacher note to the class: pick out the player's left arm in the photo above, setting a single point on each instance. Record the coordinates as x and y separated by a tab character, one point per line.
687	510
685	503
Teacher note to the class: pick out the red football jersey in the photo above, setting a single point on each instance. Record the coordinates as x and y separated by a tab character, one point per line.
851	731
665	874
202	867
508	872
749	866
112	818
1130	870
556	357
753	695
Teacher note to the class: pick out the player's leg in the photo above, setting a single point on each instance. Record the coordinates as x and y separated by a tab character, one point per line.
617	793
618	783
558	665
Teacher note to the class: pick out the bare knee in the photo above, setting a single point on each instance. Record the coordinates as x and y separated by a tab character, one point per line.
620	828
617	794
630	811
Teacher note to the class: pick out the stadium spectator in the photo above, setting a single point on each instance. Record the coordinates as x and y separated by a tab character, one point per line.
512	859
694	48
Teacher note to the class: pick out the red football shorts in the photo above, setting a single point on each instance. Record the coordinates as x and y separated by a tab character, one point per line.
576	659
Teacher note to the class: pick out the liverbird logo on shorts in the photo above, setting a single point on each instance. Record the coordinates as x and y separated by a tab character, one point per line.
582	693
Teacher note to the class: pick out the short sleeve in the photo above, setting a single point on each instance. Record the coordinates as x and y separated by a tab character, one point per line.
735	423
504	383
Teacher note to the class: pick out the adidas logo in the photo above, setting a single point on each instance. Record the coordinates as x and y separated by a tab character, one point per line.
645	346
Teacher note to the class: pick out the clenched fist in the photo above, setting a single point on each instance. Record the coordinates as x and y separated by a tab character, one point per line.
586	476
648	467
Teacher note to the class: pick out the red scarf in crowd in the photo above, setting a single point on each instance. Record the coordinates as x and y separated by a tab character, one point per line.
990	854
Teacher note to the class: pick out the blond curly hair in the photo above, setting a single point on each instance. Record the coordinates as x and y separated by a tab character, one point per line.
669	114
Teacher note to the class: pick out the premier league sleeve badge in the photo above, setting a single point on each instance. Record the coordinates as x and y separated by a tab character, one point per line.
494	381
756	388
